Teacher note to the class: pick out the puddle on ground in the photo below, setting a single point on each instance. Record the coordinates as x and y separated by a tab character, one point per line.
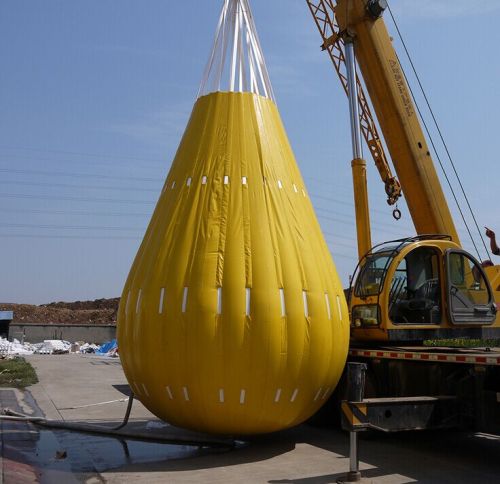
91	453
58	455
54	454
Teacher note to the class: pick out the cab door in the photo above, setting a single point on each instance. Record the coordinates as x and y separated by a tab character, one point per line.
470	298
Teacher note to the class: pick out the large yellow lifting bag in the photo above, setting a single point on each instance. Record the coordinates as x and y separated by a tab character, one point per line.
233	319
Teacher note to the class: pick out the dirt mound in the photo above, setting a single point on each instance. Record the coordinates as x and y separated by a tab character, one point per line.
96	304
100	311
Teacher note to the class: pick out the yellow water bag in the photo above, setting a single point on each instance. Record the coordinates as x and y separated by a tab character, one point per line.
233	318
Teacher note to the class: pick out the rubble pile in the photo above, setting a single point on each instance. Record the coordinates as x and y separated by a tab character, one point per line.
99	311
56	347
15	347
52	347
87	348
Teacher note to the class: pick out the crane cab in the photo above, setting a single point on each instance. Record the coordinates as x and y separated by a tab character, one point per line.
424	287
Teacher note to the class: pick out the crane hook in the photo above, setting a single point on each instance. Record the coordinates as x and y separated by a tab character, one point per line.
396	213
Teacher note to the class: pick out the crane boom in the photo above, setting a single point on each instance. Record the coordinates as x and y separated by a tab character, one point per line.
396	114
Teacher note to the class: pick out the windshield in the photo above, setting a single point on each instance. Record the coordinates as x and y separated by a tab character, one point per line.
372	274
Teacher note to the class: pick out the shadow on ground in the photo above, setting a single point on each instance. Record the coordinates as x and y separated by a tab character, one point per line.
426	457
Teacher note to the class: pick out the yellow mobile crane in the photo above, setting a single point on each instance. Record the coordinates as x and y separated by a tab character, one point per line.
422	287
417	288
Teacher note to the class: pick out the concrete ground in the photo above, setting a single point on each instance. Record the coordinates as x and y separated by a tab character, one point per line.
76	387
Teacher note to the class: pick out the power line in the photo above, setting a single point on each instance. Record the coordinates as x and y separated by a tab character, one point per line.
319	210
75	212
375	225
44	160
340	244
76	175
79	153
342	202
69	227
335	254
342	256
85	187
77	237
75	199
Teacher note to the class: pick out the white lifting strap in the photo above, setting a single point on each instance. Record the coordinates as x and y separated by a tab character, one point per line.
236	63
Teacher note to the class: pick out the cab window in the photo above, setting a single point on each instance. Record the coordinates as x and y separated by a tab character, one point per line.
469	292
415	294
372	275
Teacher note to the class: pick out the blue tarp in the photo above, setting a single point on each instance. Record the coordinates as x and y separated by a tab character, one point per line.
107	347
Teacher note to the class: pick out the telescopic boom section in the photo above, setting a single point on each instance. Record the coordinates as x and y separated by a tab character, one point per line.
396	114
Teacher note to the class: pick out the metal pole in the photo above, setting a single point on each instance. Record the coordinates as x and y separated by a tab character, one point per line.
354	474
355	393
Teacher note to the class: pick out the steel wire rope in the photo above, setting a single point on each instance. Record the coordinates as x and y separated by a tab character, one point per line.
442	140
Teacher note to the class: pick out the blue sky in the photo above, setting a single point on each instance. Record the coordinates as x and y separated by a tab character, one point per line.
95	95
